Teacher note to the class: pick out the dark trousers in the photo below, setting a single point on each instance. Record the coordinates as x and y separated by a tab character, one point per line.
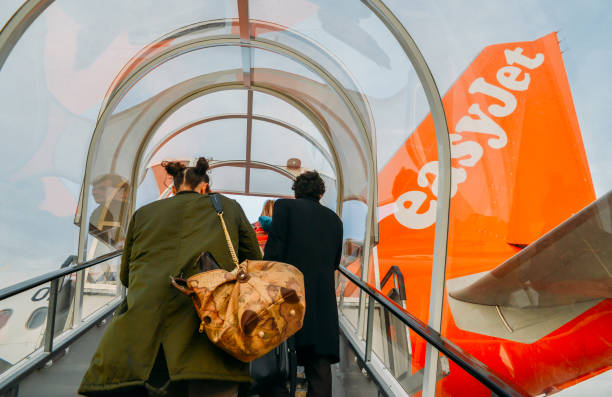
318	376
159	385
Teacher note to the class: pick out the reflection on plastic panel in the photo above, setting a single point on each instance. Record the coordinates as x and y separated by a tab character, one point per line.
347	295
519	170
24	317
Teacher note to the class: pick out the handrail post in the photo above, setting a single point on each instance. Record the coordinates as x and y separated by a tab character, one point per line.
438	343
77	313
370	328
51	310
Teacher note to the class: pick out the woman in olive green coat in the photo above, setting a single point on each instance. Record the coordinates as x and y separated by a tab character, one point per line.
157	334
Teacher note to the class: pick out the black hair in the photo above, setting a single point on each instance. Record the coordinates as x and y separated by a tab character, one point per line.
309	185
192	176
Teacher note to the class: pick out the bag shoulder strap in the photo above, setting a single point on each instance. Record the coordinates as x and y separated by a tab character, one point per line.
216	202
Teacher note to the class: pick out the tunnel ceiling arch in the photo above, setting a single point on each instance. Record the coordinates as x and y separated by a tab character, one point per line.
157	146
137	67
255	29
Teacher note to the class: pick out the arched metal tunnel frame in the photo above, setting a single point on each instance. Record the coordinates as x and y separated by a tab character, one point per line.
246	164
31	9
332	158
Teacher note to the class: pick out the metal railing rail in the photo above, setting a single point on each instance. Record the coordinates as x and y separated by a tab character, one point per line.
50	276
398	281
40	356
470	364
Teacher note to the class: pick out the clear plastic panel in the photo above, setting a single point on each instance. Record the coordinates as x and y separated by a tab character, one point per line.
399	349
294	146
213	104
269	60
181	69
9	7
347	294
43	145
356	48
270	182
102	286
216	140
148	189
345	134
271	106
227	179
354	215
453	380
122	143
330	197
53	82
108	215
23	320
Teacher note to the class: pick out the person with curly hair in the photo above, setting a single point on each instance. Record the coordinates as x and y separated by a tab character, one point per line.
308	235
152	346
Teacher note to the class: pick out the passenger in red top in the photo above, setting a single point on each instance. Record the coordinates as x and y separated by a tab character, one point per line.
262	226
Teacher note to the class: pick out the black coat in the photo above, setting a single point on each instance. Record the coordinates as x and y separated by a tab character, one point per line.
309	236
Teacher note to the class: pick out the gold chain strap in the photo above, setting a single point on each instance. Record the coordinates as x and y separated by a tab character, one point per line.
229	241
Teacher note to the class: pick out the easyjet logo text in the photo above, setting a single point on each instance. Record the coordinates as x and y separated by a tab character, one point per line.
411	209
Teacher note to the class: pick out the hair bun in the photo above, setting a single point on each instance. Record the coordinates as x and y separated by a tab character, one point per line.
201	166
173	167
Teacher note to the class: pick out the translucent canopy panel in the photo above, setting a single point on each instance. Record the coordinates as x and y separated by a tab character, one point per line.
366	60
9	7
264	181
180	69
346	133
210	105
339	113
216	140
330	197
148	189
53	83
268	138
228	179
270	60
271	106
138	122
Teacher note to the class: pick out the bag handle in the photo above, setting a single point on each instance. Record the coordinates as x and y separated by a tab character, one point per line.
216	202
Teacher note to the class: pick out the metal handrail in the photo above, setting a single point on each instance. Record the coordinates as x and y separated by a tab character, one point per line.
398	279
54	275
470	364
49	350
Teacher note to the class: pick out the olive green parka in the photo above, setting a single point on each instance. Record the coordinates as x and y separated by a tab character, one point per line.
165	238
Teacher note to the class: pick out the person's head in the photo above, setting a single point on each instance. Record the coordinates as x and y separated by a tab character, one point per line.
188	178
309	185
107	185
268	208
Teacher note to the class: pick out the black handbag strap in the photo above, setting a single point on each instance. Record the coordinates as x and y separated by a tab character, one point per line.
216	202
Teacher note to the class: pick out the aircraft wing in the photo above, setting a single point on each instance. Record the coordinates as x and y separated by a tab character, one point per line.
570	264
